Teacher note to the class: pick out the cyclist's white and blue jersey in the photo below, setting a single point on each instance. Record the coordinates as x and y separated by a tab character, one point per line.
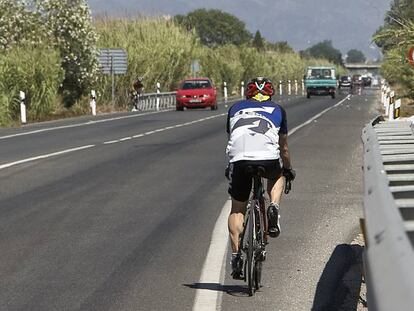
254	129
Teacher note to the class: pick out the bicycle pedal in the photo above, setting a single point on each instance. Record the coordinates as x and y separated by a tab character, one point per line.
262	256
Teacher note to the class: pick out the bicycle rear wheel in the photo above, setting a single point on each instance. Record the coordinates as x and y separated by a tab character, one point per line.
250	260
259	248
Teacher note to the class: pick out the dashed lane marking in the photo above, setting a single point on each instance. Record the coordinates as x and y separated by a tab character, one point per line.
44	156
111	142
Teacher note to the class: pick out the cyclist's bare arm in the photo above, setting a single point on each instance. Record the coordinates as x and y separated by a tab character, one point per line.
284	150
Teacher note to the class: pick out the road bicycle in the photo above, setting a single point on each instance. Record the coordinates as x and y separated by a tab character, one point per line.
254	237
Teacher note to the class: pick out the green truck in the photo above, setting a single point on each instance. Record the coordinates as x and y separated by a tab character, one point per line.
320	81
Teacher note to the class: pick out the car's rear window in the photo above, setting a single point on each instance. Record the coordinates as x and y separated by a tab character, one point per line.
196	84
319	74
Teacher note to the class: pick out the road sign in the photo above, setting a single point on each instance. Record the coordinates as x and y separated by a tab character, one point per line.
113	61
195	67
411	56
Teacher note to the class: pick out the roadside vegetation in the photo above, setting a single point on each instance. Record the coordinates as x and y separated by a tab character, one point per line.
52	56
395	38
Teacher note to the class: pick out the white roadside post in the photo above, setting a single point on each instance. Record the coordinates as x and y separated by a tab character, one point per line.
303	87
397	109
391	107
289	88
158	96
387	101
225	91
92	103
383	94
242	89
387	105
296	87
22	96
280	88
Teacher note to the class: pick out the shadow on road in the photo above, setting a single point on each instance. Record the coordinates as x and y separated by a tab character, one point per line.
340	283
234	290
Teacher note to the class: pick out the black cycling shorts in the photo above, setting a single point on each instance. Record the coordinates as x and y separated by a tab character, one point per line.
241	182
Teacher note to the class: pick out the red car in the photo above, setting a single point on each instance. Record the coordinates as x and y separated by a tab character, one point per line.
196	93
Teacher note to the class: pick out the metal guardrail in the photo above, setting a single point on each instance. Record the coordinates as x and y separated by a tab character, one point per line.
157	101
166	100
389	214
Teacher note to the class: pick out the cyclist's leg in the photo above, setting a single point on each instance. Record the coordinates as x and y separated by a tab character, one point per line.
275	186
235	222
275	189
239	190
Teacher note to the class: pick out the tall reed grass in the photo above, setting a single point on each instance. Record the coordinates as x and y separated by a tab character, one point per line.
161	51
38	73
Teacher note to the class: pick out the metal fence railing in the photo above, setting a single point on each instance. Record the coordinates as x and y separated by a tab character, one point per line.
389	214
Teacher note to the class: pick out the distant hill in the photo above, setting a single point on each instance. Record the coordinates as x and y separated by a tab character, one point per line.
349	23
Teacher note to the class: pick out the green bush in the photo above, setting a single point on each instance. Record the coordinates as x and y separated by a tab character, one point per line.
71	32
396	68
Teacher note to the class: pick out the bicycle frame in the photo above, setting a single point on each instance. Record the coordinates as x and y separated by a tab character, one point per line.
254	239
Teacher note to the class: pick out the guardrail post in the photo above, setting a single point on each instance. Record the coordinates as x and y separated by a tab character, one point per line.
242	89
289	88
22	107
158	96
92	103
296	87
280	88
225	91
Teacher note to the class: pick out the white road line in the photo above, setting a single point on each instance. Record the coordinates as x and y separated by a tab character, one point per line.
3	166
125	138
208	299
138	135
80	124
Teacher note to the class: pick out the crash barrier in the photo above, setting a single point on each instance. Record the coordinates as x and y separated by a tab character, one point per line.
389	214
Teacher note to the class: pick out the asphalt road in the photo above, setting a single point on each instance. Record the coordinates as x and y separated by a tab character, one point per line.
119	214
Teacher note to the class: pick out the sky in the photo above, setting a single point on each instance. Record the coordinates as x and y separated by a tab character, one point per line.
302	23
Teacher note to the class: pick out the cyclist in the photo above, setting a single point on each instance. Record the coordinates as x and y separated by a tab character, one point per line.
257	129
136	92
